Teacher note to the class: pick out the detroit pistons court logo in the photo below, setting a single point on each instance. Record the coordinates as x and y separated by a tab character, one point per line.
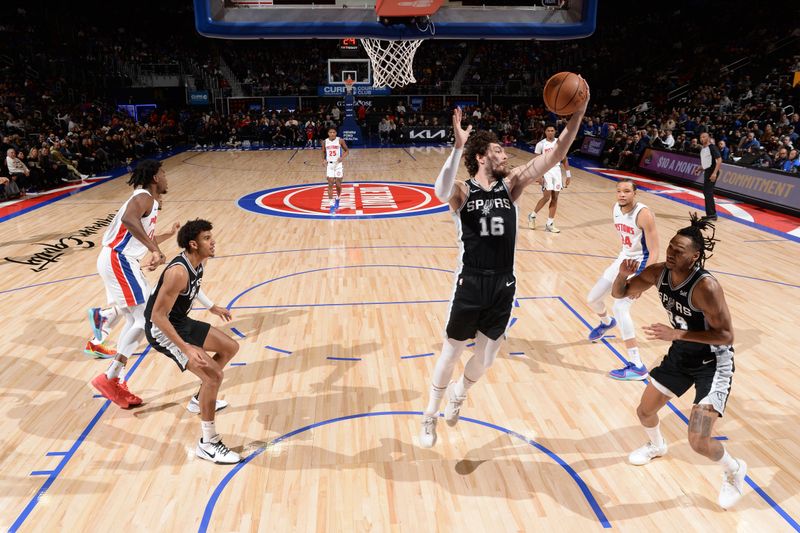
359	200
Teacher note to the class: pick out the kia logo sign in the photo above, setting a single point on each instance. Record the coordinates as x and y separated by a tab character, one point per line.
427	134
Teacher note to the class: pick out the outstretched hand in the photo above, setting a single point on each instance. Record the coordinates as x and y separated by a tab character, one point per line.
585	105
461	135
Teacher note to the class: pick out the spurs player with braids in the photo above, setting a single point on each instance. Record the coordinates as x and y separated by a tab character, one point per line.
701	353
335	150
187	341
636	226
128	239
552	185
484	209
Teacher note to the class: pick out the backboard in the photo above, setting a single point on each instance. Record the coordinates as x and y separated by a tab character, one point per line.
338	19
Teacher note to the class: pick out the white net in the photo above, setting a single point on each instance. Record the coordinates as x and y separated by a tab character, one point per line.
392	61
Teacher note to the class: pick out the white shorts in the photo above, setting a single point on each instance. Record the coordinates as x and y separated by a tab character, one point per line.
334	170
125	283
611	272
552	180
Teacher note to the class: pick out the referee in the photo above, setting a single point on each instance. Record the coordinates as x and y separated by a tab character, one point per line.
711	161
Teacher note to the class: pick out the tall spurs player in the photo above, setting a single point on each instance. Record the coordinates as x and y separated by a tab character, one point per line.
128	239
187	341
701	353
484	209
636	226
552	181
335	150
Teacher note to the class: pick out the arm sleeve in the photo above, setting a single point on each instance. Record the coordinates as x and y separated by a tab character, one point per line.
201	296
447	176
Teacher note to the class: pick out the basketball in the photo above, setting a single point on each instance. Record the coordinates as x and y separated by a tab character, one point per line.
564	93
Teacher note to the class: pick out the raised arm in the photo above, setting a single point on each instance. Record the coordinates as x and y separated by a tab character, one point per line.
624	287
526	174
445	186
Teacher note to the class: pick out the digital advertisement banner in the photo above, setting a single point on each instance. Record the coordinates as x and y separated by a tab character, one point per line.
773	187
593	146
358	90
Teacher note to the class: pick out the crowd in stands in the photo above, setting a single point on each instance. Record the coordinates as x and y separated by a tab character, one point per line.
59	121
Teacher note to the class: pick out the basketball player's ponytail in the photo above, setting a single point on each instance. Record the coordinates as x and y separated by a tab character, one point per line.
144	173
702	243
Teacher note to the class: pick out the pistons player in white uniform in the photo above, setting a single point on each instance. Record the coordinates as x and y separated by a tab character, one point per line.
636	226
128	239
551	184
335	151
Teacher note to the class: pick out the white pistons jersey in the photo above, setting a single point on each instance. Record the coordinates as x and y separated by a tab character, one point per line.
634	245
544	146
333	150
119	239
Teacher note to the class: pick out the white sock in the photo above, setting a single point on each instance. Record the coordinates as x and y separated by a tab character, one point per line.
633	356
209	430
95	340
533	214
654	434
605	320
115	369
728	462
109	313
434	400
463	385
550	221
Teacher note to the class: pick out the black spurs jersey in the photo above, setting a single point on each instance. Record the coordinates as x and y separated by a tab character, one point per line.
678	303
183	303
487	225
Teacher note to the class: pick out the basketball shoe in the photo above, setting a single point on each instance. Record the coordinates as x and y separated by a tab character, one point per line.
645	454
194	405
96	321
101	351
453	408
133	400
732	486
427	433
111	390
597	333
216	452
630	372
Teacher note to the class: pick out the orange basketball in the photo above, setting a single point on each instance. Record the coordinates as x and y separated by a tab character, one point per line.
564	93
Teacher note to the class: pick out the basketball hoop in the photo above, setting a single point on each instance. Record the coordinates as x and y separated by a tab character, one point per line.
348	85
392	61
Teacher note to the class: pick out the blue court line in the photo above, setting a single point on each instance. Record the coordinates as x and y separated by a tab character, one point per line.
580	163
513	321
772	503
51	454
344	358
720	437
212	501
516	353
337	304
417	355
294	154
237	364
239	333
409	154
69	454
470	345
766	240
278	349
235	298
42	473
596	256
516	302
98	396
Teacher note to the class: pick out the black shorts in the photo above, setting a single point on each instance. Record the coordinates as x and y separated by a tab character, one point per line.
191	331
482	302
710	372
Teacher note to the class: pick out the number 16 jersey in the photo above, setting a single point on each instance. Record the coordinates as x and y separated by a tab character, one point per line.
487	228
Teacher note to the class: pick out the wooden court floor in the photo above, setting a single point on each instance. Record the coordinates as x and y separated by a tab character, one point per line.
329	314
